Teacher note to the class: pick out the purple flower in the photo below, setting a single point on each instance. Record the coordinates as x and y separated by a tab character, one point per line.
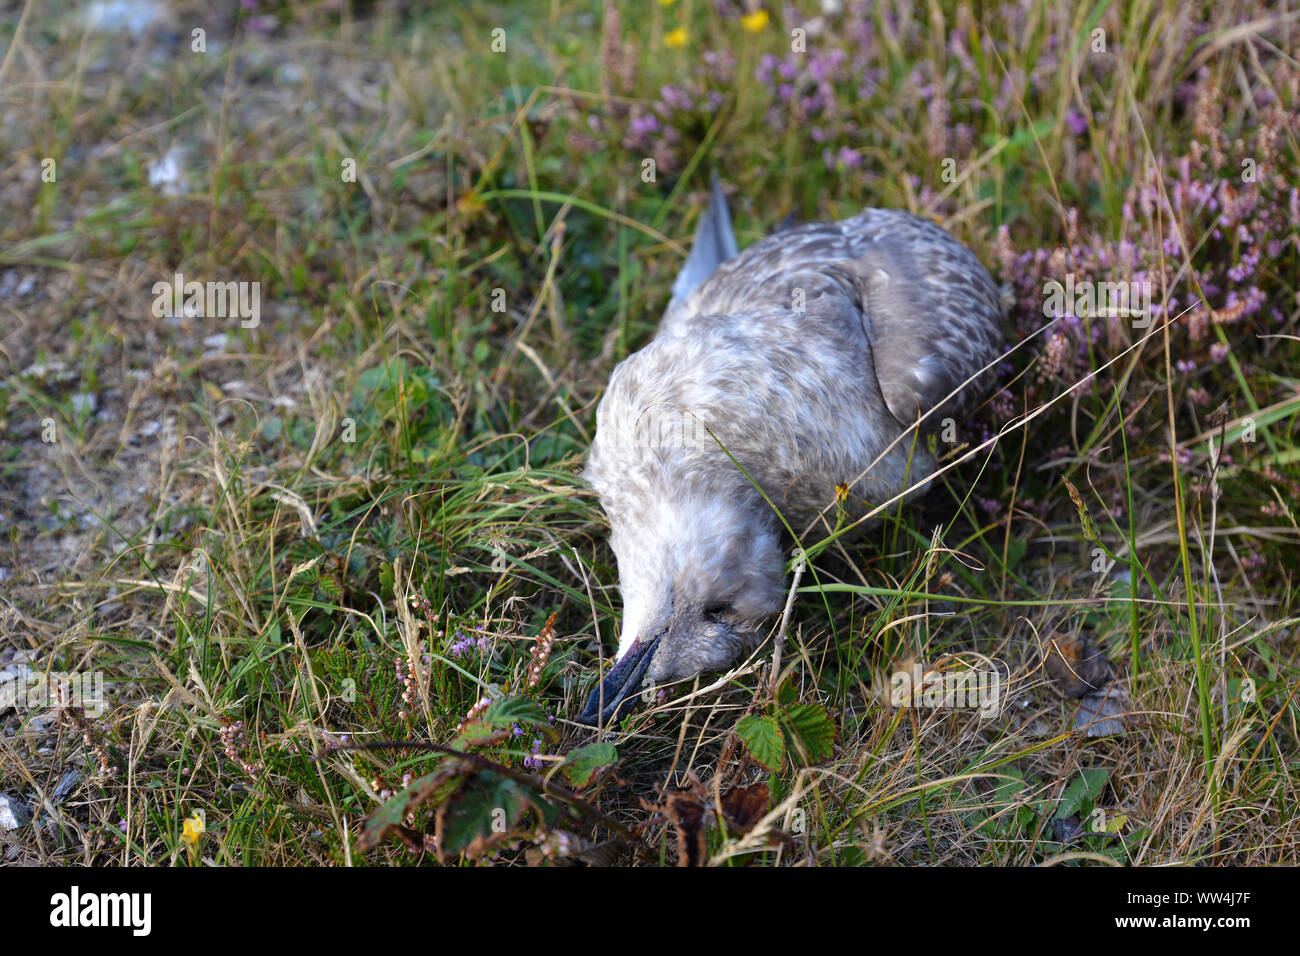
461	645
534	762
642	125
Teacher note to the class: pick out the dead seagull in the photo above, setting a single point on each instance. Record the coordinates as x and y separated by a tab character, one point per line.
778	377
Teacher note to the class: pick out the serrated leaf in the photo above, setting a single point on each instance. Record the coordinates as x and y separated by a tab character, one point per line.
582	764
1085	789
809	731
502	715
484	813
763	736
432	788
786	694
514	710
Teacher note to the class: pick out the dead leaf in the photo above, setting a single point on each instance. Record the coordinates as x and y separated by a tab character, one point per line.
1076	665
743	807
690	811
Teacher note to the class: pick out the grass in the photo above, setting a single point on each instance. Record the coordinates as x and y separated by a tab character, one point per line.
287	547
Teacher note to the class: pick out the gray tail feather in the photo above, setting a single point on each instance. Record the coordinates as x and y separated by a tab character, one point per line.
715	243
789	222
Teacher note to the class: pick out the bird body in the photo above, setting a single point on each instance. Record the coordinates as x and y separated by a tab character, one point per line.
789	377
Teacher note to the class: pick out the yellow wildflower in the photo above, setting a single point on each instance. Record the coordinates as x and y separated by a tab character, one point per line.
675	38
756	21
192	831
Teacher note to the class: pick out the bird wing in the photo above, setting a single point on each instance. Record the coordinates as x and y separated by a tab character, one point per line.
930	311
933	314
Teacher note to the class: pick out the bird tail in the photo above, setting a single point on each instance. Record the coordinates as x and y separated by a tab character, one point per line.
715	243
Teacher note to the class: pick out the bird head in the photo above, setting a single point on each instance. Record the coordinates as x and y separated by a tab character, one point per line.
700	576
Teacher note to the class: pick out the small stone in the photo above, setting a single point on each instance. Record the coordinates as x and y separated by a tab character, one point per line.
13	812
1102	714
66	784
167	174
131	16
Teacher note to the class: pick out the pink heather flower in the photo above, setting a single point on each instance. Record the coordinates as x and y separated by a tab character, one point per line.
642	125
1218	352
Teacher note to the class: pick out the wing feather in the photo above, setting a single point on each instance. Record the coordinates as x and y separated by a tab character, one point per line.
928	307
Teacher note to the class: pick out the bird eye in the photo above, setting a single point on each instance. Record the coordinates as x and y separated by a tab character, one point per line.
715	611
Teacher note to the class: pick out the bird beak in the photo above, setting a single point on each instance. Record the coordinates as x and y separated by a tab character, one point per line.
616	694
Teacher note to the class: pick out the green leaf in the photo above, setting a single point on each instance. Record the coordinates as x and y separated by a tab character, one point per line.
484	813
271	427
763	737
515	710
503	714
433	788
1005	792
396	383
786	694
809	730
1082	794
581	765
1016	549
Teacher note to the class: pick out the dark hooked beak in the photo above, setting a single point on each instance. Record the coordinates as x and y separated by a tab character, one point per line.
617	693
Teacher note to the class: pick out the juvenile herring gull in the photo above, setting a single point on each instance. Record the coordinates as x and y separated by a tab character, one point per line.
778	376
